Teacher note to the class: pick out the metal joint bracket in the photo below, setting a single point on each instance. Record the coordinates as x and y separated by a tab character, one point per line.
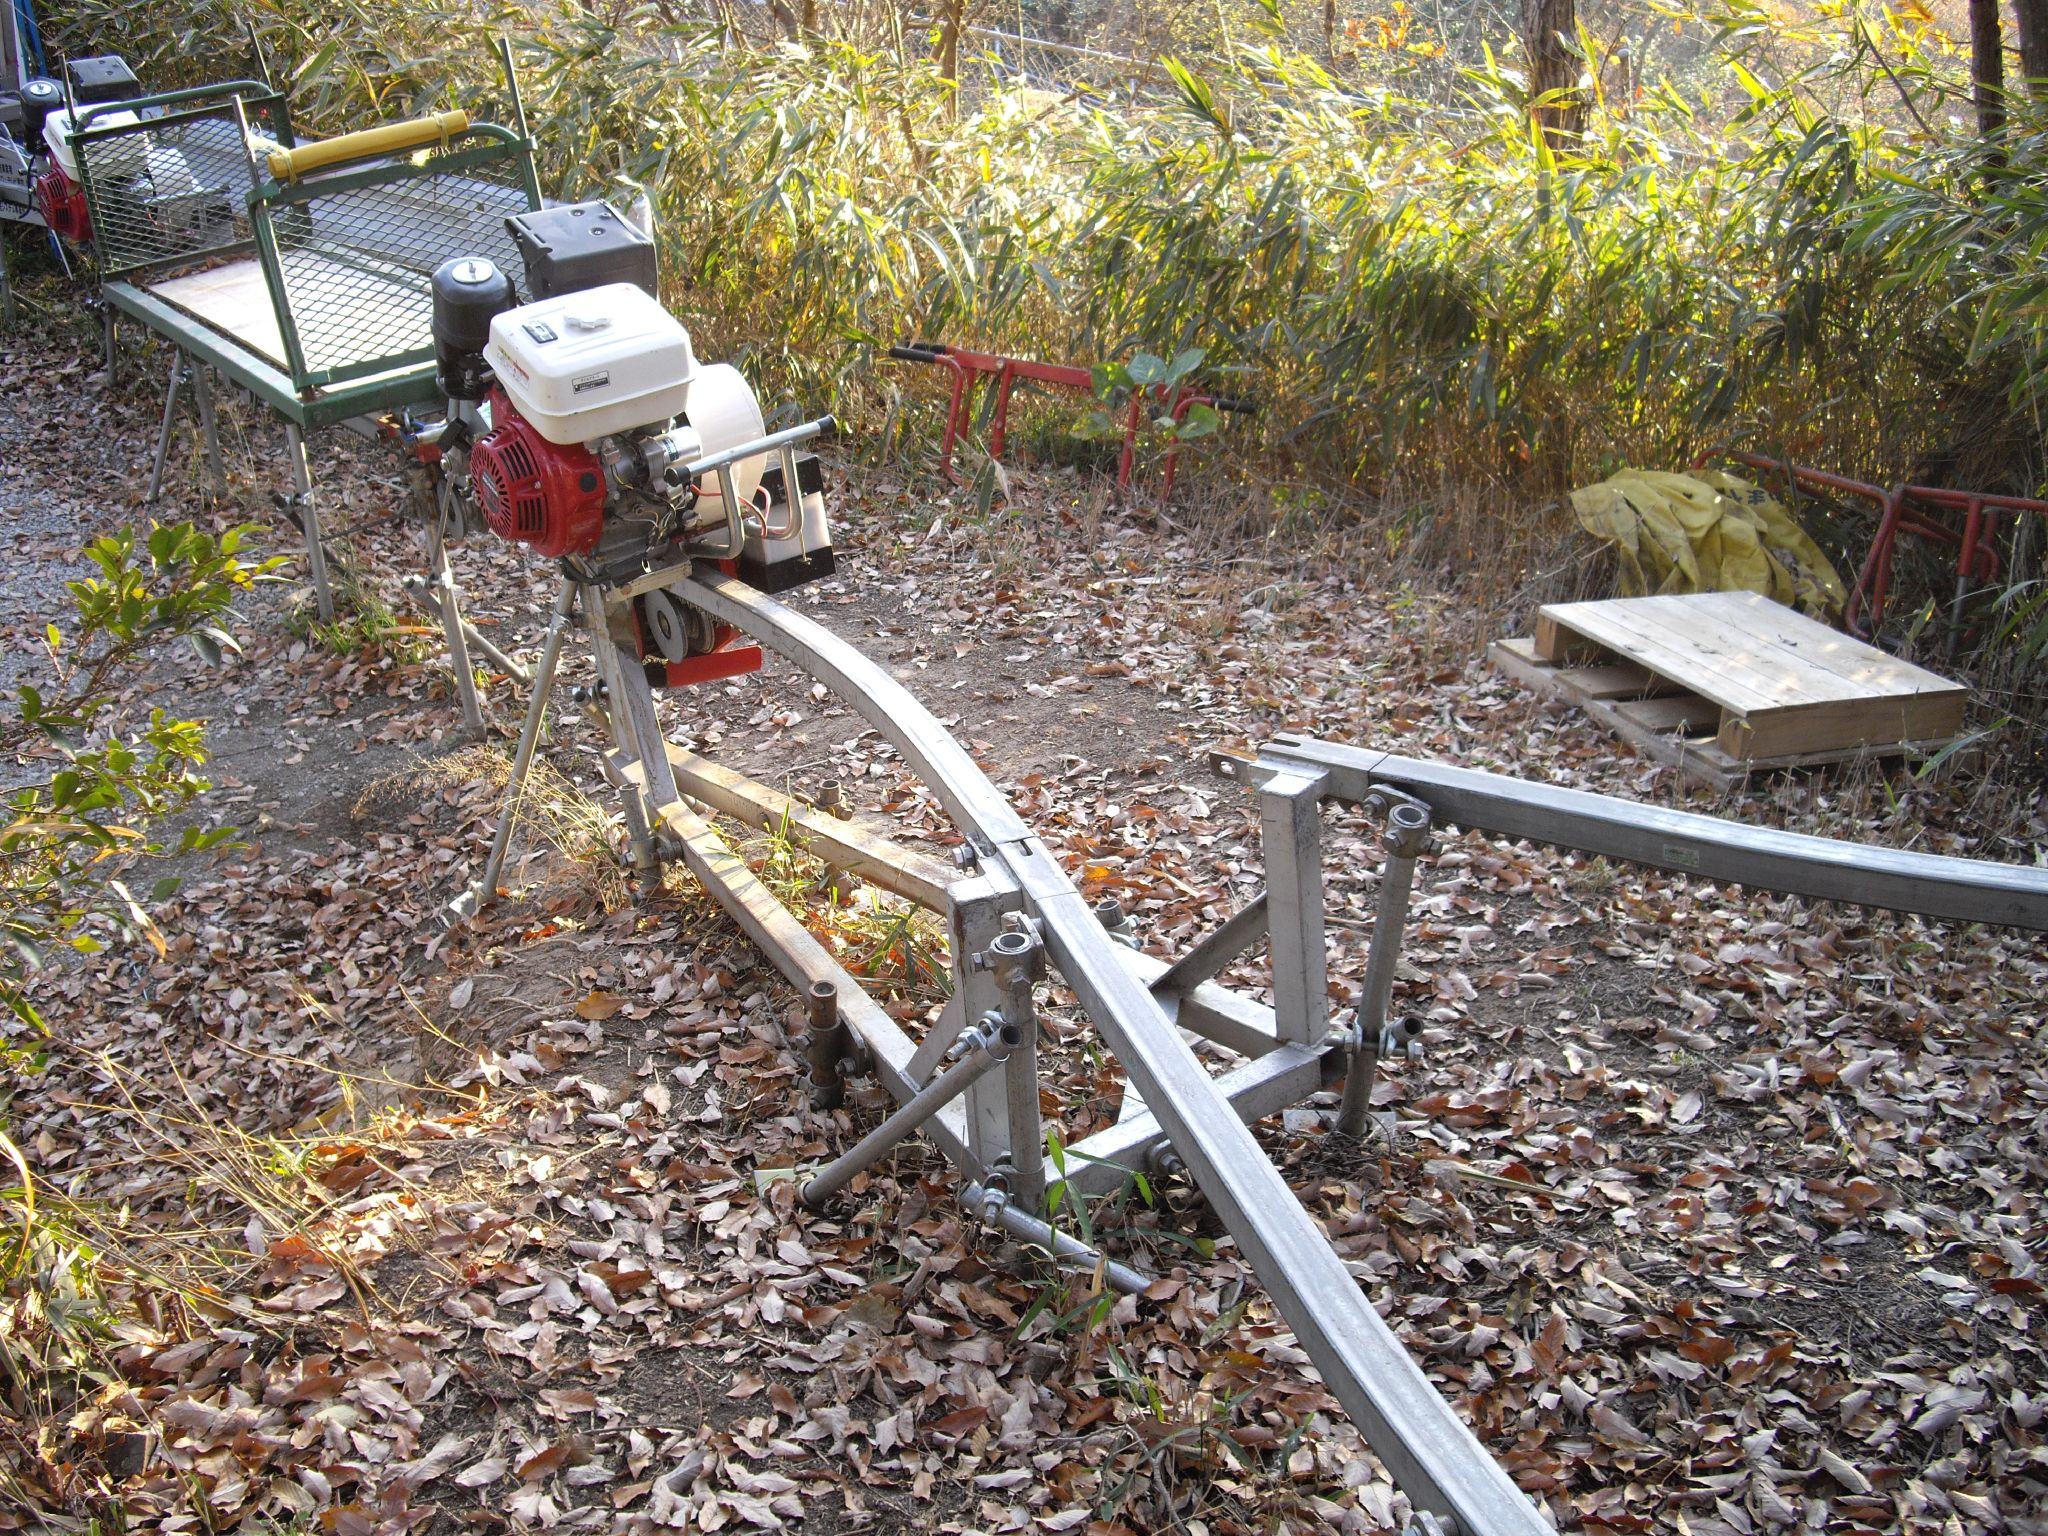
992	1033
1015	958
1408	819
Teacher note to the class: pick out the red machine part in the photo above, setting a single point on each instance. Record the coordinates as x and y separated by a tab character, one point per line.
731	653
734	656
61	201
549	495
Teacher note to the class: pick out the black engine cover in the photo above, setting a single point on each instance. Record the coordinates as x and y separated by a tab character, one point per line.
581	245
103	77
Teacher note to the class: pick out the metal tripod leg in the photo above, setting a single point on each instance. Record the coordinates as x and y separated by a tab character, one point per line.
309	517
485	891
179	373
636	730
450	604
6	287
202	395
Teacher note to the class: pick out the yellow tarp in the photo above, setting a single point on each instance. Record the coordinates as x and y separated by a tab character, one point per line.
1710	532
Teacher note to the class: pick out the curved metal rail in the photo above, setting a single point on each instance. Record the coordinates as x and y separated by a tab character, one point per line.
1431	1453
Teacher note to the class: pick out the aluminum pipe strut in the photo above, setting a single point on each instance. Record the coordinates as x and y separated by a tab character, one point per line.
1407	838
994	1206
825	1046
980	1050
485	891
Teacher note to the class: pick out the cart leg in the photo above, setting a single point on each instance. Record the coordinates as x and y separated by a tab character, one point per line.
106	322
309	518
636	731
163	436
442	576
202	395
6	287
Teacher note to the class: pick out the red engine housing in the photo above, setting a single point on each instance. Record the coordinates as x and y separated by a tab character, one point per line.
549	495
61	201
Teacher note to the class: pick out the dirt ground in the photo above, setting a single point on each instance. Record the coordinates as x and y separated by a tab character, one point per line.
1712	1211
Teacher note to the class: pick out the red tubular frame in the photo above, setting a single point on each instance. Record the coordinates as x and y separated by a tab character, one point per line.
1977	560
969	365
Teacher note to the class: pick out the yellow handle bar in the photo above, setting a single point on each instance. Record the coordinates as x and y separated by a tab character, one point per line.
439	128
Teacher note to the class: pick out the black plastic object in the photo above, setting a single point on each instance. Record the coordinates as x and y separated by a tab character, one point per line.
103	77
40	96
810	477
468	291
578	246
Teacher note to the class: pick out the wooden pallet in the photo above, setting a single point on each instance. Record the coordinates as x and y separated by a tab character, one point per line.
1723	685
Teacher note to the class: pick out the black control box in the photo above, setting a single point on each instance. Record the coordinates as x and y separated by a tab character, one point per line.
103	77
578	246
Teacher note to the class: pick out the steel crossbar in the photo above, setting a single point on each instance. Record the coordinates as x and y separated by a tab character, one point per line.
1828	869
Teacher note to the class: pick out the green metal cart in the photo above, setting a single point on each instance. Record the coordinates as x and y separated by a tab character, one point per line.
298	272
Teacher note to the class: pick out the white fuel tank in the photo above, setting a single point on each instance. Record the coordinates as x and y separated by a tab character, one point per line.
113	157
589	364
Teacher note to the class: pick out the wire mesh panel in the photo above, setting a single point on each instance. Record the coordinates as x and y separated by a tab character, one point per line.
355	252
172	190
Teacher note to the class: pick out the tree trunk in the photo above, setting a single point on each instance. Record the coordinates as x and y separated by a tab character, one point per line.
2033	19
1987	67
948	52
1549	28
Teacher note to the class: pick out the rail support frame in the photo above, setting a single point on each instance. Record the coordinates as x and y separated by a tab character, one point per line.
1407	839
1291	834
1431	1453
996	960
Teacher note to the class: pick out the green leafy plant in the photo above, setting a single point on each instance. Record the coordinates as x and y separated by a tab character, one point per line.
1146	377
66	835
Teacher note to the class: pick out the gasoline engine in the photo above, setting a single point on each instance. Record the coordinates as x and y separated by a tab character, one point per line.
581	423
38	162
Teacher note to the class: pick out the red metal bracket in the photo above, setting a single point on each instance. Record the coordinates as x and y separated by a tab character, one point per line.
1900	510
969	367
727	659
